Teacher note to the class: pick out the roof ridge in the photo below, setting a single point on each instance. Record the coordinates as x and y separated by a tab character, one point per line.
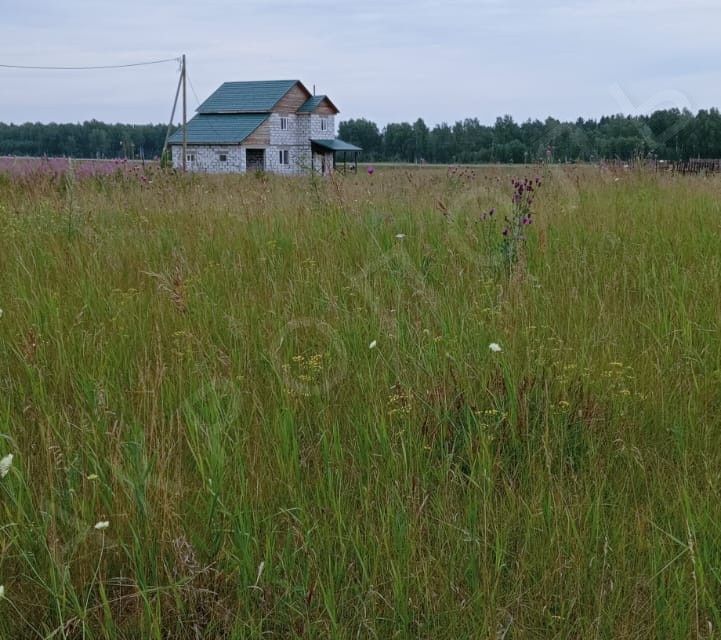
258	81
248	96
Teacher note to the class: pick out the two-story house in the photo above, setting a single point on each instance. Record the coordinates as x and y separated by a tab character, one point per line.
275	125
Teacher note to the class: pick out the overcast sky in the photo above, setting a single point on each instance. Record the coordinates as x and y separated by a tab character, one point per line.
396	60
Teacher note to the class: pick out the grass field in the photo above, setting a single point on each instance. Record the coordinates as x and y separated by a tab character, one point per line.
276	399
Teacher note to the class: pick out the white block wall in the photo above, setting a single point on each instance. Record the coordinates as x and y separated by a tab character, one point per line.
296	139
302	123
207	158
315	130
296	157
318	162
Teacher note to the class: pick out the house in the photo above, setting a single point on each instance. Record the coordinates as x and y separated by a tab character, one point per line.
275	125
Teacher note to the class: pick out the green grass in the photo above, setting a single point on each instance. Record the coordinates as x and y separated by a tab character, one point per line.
189	360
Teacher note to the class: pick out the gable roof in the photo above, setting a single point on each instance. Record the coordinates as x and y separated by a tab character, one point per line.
314	102
212	128
247	97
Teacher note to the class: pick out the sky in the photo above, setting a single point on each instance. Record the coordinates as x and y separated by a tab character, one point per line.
442	60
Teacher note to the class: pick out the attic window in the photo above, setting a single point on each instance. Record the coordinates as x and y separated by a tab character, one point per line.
284	123
324	124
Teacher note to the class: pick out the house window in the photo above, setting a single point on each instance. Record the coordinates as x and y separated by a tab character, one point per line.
223	157
324	124
284	124
190	157
284	156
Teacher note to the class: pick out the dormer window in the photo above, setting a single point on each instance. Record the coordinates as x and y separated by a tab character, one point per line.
284	123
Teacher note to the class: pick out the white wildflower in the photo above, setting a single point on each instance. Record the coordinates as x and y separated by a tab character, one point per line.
93	476
2	591
400	236
373	344
5	465
495	347
1	313
103	524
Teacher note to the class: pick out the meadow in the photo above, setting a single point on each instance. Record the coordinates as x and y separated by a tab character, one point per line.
43	168
261	407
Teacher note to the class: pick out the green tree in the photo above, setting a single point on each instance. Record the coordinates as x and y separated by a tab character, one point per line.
363	133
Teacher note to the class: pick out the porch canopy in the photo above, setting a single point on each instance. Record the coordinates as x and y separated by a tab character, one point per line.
336	145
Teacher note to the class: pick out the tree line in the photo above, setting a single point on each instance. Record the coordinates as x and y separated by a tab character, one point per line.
669	134
90	139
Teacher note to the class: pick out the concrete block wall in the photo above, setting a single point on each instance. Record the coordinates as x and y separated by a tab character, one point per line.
288	137
318	162
207	158
315	127
295	164
302	123
303	132
294	139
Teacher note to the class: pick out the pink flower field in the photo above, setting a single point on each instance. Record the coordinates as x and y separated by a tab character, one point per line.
52	167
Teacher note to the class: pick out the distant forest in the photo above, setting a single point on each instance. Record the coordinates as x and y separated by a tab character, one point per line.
667	134
90	139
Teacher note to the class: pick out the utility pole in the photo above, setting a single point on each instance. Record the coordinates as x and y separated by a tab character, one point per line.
172	116
185	116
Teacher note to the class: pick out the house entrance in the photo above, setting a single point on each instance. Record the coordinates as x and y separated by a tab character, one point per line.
254	160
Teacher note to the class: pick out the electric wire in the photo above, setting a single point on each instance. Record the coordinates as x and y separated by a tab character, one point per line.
87	68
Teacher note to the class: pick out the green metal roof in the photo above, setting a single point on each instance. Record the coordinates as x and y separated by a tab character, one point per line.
219	128
246	97
312	104
335	145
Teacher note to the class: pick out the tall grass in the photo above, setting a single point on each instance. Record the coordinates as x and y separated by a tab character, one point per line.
189	359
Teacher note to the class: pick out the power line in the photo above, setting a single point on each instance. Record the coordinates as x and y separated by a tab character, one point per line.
194	92
104	66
